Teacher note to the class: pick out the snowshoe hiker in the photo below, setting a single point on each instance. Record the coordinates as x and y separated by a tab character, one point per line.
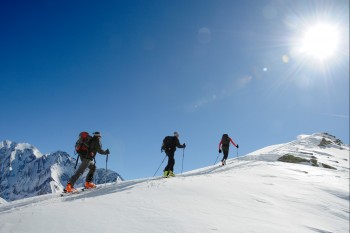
169	146
224	147
87	158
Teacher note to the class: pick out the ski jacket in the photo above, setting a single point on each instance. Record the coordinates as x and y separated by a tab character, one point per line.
96	147
220	144
177	144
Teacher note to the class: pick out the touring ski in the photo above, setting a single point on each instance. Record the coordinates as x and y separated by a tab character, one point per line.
64	193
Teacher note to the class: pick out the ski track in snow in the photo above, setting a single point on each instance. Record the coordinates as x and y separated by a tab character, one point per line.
253	193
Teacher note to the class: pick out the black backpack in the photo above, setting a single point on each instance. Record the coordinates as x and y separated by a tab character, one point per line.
169	143
225	140
83	143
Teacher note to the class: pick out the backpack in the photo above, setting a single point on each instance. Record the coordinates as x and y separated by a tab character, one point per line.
225	140
83	143
168	143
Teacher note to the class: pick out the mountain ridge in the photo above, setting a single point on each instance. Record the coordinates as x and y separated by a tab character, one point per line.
26	172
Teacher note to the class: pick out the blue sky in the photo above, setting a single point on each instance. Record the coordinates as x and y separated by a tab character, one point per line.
138	70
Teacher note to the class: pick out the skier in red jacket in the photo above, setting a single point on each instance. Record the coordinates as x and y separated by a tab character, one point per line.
224	146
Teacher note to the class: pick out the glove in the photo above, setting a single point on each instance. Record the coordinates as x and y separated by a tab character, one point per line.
184	145
219	151
107	151
237	146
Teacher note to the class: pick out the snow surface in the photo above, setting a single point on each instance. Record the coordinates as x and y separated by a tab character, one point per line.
253	193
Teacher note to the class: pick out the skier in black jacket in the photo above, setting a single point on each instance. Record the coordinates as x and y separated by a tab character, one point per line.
169	146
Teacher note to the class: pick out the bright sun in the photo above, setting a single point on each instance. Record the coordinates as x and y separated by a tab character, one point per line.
320	41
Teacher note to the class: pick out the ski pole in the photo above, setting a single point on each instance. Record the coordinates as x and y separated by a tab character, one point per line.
183	157
76	162
159	166
216	159
106	170
237	152
75	167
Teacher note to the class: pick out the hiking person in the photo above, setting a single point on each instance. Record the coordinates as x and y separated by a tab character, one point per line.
87	161
224	146
169	146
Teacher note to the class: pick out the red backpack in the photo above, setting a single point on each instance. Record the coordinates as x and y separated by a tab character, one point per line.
82	144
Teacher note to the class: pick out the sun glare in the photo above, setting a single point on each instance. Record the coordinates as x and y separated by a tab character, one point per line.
320	41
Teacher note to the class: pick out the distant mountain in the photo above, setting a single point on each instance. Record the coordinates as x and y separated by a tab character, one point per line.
306	150
2	201
301	186
25	172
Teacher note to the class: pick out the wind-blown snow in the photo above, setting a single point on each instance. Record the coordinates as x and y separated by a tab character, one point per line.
26	146
253	193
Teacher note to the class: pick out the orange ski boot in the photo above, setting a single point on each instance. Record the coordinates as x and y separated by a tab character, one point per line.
89	185
70	189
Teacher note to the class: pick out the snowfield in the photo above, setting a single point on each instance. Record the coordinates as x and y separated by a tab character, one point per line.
252	193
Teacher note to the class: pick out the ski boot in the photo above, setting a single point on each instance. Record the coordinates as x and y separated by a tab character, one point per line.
166	174
223	162
171	173
69	189
89	185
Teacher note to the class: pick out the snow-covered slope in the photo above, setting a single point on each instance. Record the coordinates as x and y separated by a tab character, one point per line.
25	172
2	201
253	193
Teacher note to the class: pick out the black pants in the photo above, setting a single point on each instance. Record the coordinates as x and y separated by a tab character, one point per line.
85	163
171	161
225	152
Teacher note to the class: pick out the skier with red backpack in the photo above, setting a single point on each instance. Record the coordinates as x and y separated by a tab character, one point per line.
86	147
224	146
169	146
